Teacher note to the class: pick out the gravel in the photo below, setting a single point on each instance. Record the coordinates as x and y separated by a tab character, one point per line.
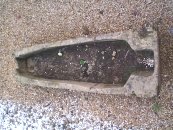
24	23
40	117
44	116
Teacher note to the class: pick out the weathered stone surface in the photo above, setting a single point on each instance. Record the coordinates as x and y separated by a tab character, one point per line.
140	85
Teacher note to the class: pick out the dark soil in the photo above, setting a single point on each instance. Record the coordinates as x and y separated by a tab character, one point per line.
109	62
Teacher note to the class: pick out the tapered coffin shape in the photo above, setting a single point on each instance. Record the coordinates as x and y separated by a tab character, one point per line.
116	63
109	62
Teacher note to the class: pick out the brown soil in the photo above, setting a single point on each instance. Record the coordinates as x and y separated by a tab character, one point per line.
110	62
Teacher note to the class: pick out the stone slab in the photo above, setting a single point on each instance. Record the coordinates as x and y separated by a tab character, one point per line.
140	85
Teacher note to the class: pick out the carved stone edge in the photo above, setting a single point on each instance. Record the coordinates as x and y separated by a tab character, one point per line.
139	85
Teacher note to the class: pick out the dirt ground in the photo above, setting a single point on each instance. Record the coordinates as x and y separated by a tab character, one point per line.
24	23
90	62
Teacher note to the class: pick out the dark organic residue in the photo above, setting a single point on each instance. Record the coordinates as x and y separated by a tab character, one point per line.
108	62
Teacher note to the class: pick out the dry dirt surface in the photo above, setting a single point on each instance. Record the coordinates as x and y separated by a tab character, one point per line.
24	23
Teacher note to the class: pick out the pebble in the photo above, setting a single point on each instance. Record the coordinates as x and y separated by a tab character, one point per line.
113	58
42	117
148	1
102	52
59	54
171	31
114	53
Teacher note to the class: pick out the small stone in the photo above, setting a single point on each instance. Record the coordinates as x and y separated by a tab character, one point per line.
165	76
102	52
171	30
148	1
59	54
114	53
113	58
47	104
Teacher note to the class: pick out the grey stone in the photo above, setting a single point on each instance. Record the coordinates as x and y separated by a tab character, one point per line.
140	85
